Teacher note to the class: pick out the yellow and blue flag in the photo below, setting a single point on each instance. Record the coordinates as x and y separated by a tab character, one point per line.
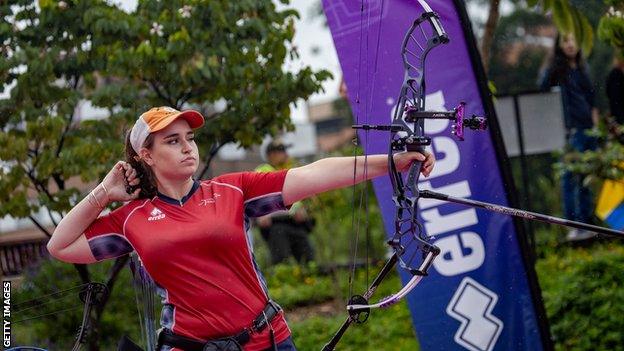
610	207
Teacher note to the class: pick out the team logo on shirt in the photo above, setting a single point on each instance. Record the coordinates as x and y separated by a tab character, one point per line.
155	215
210	200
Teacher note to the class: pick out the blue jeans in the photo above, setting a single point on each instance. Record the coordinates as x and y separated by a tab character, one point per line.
577	199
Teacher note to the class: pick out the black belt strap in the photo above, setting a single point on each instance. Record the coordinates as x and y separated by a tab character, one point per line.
167	337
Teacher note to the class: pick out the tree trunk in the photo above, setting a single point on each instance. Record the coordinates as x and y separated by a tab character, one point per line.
488	35
211	155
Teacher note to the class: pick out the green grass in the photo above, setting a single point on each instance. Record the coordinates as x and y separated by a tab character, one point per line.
583	291
293	286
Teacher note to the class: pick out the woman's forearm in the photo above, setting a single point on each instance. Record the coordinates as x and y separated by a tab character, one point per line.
331	173
339	172
78	219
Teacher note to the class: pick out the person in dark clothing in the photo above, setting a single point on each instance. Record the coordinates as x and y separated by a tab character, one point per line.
568	72
615	89
285	232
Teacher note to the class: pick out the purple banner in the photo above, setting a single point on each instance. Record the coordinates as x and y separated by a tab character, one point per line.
478	295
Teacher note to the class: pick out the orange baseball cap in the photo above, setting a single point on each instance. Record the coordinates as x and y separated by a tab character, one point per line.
159	118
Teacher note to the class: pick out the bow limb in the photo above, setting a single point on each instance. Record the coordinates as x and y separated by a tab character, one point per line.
91	295
389	300
392	299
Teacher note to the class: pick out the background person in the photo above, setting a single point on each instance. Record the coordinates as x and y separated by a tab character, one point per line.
285	232
191	236
567	70
615	89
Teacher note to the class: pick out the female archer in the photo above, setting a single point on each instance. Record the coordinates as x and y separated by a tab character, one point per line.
191	235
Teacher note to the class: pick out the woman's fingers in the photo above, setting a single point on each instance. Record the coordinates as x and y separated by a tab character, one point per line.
135	193
426	171
418	157
130	175
124	174
404	161
428	164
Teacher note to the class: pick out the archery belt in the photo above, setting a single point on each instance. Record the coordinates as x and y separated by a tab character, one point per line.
231	343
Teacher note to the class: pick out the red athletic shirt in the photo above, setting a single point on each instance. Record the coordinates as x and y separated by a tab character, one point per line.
198	252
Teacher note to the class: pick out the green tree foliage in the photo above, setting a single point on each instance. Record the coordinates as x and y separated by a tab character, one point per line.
204	52
606	162
165	53
584	299
569	18
514	76
611	26
41	146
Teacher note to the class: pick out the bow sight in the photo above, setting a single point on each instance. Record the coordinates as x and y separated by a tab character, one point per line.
413	115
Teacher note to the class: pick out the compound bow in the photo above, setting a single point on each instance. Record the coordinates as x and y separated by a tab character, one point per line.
412	249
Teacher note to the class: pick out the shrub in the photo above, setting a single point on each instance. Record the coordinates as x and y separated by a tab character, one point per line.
583	290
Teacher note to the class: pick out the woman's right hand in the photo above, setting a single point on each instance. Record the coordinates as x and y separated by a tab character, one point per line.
115	182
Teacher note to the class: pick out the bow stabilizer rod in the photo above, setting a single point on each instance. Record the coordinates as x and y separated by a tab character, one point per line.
514	212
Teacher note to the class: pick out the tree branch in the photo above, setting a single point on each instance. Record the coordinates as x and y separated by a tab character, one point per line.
488	35
83	272
211	155
51	217
40	226
191	93
114	271
63	135
158	92
38	184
